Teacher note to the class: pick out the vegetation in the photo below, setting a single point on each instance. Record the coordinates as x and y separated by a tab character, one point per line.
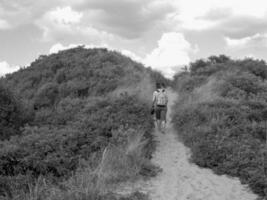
12	113
74	124
221	116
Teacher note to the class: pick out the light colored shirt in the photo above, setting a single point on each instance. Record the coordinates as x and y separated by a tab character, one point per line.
154	97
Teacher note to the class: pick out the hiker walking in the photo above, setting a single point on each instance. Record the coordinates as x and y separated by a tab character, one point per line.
160	101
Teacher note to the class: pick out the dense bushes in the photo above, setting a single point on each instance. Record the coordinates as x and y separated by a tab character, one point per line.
54	151
77	72
222	119
46	95
11	114
77	101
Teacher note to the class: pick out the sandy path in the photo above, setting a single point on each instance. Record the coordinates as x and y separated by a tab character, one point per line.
182	180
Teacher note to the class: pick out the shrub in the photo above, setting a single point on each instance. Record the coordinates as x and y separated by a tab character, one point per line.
226	130
74	114
46	95
11	114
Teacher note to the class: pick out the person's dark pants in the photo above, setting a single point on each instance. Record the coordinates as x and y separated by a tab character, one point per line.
161	112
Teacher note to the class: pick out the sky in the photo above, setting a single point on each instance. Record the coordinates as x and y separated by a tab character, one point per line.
162	34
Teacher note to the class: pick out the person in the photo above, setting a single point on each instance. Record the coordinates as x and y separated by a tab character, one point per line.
160	101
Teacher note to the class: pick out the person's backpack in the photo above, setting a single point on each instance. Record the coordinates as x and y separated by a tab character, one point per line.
161	98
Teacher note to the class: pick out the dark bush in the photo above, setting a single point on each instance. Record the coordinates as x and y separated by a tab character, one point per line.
12	114
56	150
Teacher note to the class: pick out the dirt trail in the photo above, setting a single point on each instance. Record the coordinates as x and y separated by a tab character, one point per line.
182	180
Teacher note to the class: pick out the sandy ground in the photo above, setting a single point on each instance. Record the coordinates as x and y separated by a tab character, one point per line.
182	180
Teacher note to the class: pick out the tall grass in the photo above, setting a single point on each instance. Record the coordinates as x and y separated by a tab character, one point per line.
142	88
122	160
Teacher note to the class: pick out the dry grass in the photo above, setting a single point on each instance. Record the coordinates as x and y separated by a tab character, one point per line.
204	93
122	160
143	89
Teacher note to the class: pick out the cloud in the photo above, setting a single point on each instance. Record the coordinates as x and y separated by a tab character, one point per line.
129	18
214	14
4	24
218	14
254	45
133	18
18	13
134	27
197	24
237	42
64	15
171	53
247	42
59	47
65	23
240	26
5	68
131	55
59	19
253	8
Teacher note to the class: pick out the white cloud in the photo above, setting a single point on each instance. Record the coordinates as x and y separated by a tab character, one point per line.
59	47
255	8
242	42
5	68
197	24
191	14
50	26
237	42
252	56
56	48
64	15
131	55
66	23
4	24
172	52
59	21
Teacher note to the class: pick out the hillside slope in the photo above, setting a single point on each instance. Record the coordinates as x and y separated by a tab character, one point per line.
77	72
221	114
80	102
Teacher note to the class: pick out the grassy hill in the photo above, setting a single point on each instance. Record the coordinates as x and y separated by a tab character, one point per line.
75	114
75	123
221	115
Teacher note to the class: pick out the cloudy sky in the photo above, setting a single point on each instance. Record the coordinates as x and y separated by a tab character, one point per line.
163	34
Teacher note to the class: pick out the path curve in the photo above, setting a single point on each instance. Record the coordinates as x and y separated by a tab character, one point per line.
182	180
